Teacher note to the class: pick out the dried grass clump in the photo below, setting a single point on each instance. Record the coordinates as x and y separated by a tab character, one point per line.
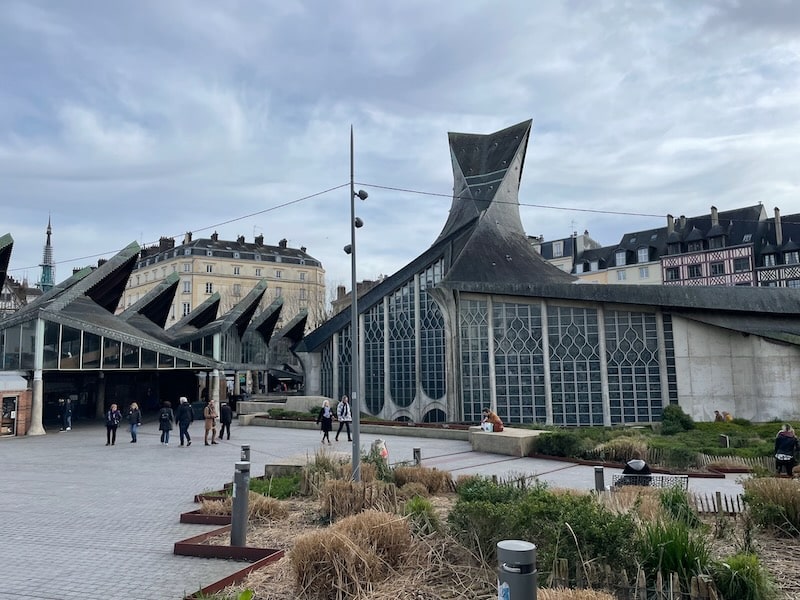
339	498
643	501
623	448
349	558
259	508
409	490
570	594
434	480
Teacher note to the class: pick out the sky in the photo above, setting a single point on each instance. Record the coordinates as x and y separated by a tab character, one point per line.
132	120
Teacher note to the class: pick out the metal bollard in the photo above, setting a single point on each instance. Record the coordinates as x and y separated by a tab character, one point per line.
246	452
516	570
417	457
241	493
599	479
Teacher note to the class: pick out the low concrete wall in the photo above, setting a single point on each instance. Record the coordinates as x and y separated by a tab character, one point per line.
293	403
441	433
510	441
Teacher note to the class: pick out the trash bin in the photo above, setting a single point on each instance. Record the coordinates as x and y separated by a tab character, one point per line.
516	570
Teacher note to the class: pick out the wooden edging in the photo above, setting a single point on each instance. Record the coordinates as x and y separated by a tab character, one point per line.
194	546
199	518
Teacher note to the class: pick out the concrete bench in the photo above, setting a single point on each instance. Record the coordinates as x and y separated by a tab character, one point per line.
656	481
510	441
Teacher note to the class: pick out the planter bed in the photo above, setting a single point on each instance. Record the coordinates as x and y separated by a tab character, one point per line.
200	518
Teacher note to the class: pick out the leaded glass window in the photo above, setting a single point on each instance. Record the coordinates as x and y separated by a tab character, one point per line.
474	329
345	361
519	362
402	350
326	370
373	359
432	370
576	388
634	376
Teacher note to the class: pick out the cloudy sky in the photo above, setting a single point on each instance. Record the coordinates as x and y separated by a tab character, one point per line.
132	120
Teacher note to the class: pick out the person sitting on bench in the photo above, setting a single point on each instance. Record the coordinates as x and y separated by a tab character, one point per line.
636	472
490	417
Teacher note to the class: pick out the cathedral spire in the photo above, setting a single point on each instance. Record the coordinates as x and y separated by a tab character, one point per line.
48	267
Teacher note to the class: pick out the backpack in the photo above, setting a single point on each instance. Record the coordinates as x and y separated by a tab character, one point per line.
164	416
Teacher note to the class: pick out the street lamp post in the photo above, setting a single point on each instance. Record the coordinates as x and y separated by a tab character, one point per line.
355	364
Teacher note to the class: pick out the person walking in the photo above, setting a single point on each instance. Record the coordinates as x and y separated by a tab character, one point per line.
325	420
134	420
786	446
165	420
210	416
345	417
184	417
113	417
225	420
65	407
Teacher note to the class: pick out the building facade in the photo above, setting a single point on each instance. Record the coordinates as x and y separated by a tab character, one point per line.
230	269
480	319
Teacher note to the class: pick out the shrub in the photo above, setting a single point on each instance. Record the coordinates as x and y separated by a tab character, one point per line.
679	458
675	502
674	420
741	576
671	546
259	508
409	490
382	469
483	488
434	480
622	449
774	503
559	443
342	498
422	516
281	487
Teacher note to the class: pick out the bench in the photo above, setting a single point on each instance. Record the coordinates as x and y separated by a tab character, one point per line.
656	481
510	441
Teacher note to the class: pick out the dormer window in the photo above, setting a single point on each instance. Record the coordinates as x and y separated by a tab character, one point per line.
594	265
716	242
558	249
619	258
696	246
643	255
674	248
769	260
792	258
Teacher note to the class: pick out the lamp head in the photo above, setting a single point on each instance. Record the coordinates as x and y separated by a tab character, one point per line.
362	194
358	222
348	249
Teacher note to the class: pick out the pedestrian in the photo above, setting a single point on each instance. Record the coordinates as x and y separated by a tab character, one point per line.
134	420
225	419
165	420
786	446
718	418
492	418
345	417
636	472
113	417
65	410
210	416
325	420
727	416
184	417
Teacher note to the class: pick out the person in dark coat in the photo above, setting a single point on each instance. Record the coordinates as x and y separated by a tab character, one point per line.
325	420
165	420
636	472
113	417
184	417
225	420
134	420
786	446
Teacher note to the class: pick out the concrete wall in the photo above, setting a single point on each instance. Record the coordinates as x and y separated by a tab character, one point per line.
748	376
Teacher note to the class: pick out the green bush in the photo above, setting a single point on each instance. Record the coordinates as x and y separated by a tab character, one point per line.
422	516
281	487
483	488
774	503
742	577
559	443
671	546
675	502
674	420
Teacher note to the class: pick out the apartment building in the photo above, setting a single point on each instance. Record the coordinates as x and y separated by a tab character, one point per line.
230	268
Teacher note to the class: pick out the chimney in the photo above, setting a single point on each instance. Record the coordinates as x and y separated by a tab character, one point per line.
259	240
240	239
341	291
303	248
101	262
283	243
670	224
187	237
683	222
714	216
778	227
166	243
215	236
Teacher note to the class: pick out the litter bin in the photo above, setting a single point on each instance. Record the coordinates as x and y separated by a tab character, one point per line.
516	570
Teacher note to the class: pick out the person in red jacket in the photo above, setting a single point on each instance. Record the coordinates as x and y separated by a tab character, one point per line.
491	417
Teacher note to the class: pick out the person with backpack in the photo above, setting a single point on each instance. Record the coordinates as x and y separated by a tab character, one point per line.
184	418
165	419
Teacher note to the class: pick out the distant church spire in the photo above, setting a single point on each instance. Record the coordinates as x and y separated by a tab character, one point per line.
48	267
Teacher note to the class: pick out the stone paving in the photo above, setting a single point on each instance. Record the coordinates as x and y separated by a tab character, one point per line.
80	520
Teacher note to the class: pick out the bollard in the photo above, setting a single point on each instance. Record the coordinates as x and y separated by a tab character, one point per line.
241	493
516	570
245	452
599	479
417	457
